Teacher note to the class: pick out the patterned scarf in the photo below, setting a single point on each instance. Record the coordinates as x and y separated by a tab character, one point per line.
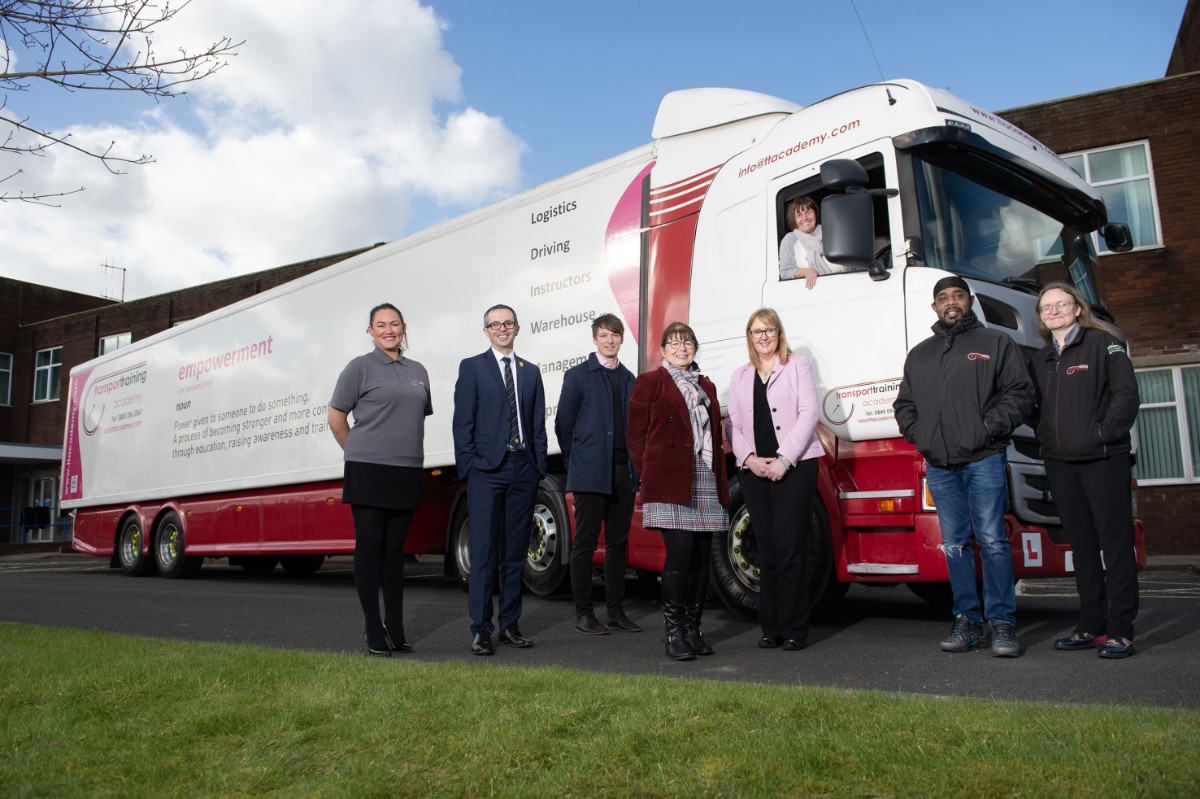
688	382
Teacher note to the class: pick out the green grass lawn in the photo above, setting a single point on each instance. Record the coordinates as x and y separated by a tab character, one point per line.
93	714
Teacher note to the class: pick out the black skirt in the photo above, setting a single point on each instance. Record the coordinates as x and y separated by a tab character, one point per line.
380	486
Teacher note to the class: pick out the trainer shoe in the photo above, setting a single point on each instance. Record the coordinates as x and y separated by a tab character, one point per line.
1078	641
1004	641
964	636
1116	647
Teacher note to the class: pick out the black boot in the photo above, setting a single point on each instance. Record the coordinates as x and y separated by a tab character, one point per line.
697	595
674	588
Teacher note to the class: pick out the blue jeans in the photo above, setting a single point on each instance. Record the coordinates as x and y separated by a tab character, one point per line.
972	496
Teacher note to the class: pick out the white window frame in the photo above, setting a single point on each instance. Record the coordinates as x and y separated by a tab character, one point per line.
1181	426
1145	144
114	342
54	369
6	371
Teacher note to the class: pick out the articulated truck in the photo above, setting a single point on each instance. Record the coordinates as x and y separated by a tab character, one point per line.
209	440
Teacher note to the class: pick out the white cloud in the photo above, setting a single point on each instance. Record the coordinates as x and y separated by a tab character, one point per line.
333	119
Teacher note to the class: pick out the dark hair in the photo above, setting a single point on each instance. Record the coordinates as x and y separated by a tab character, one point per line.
387	306
609	322
1085	312
800	202
497	308
679	330
384	306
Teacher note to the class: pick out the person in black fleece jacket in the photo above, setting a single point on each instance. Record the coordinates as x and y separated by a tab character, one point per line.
964	391
1087	404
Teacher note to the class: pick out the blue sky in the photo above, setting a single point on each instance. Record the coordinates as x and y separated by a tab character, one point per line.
339	127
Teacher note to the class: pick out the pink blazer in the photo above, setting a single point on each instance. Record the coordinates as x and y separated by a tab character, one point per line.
793	398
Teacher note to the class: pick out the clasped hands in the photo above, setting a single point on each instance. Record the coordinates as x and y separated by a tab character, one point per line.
771	469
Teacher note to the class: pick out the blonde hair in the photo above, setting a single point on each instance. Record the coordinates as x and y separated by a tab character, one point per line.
771	318
1085	319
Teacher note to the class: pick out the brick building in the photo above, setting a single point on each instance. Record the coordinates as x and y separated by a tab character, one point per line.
1138	145
44	332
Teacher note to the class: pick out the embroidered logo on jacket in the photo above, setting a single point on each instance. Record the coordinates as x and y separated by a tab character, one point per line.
978	356
415	381
1082	367
1114	348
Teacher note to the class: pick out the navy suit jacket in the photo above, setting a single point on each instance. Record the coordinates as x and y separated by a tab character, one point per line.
481	415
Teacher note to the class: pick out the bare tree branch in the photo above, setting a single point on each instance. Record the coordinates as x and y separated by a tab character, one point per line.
93	45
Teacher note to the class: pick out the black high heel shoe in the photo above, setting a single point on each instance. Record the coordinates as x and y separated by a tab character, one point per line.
401	646
377	648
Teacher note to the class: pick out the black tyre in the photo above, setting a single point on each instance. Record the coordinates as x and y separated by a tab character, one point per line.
255	564
458	548
735	561
169	549
547	566
301	565
131	542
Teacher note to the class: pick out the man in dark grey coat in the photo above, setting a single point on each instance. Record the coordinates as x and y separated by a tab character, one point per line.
964	391
590	426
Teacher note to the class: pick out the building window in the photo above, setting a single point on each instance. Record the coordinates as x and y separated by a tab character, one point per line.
47	370
1168	425
1124	178
115	342
6	378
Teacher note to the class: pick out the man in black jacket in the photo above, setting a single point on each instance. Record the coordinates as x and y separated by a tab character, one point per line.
964	391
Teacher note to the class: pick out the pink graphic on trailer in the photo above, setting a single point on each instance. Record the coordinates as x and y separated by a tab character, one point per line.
72	476
623	251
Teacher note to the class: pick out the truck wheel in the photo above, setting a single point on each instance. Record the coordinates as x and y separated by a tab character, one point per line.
458	553
169	550
547	567
735	561
130	542
255	564
301	565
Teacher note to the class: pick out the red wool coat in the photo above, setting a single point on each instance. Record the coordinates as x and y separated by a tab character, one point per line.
659	434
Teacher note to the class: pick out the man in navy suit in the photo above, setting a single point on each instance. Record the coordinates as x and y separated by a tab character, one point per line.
500	450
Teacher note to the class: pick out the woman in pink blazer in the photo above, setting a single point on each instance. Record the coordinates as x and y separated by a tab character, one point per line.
773	422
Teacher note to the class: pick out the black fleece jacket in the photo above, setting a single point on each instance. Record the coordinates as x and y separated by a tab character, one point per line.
1087	397
964	391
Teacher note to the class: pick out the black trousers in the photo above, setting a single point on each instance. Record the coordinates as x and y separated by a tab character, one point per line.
780	513
614	511
379	535
1095	502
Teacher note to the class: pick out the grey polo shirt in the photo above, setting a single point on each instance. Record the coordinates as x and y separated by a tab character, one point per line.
390	400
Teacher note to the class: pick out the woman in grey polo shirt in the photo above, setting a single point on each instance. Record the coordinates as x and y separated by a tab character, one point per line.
384	454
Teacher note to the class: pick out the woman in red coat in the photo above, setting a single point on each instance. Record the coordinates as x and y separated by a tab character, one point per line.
674	438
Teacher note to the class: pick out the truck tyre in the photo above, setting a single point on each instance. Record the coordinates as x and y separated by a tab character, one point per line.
301	565
735	561
547	567
255	564
458	548
169	550
130	544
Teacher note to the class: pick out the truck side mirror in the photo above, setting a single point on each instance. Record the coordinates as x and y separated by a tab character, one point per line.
1117	237
848	229
843	173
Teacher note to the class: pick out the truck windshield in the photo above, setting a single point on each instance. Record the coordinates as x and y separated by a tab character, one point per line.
978	219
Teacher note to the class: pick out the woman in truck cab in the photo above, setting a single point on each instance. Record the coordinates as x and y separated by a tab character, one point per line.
674	436
773	434
384	455
801	253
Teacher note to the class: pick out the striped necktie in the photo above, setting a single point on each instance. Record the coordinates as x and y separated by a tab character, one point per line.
514	428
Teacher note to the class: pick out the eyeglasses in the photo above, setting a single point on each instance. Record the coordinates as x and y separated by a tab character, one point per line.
1056	306
766	332
501	325
676	344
